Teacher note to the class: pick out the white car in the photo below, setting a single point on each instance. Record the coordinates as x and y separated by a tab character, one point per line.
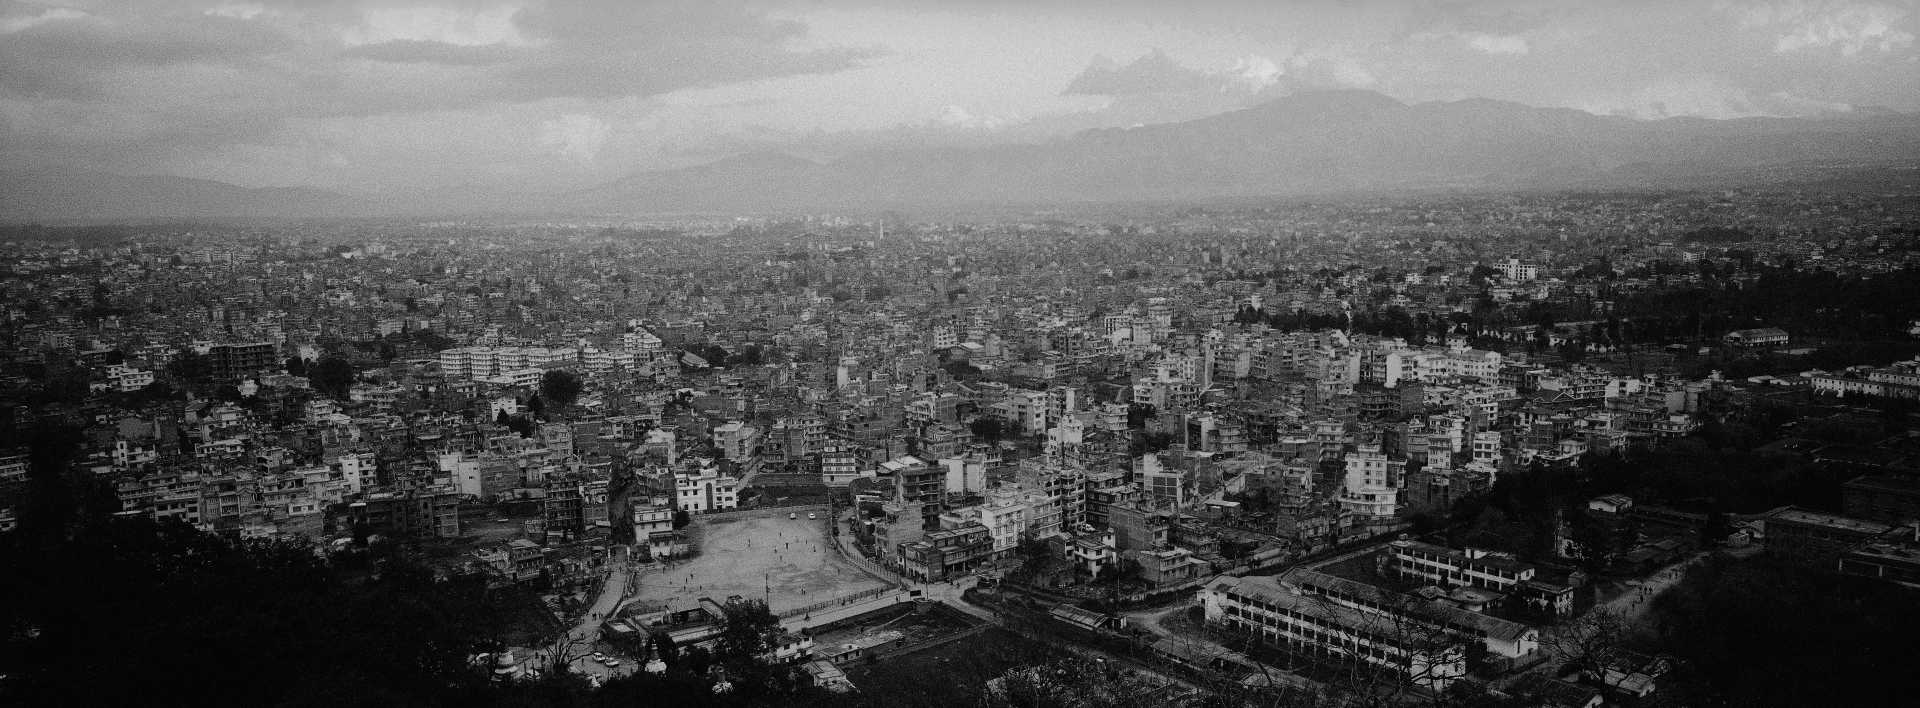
597	656
792	515
611	662
811	515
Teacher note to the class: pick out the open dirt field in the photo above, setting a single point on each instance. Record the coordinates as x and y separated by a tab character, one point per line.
789	562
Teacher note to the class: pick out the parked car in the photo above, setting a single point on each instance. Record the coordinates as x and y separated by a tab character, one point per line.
811	515
792	515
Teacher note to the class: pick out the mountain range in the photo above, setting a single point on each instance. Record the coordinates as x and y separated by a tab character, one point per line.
1305	144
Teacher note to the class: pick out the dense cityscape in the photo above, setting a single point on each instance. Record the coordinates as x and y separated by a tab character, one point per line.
1543	450
971	354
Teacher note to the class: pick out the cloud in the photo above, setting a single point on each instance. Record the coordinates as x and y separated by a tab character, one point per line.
16	23
1152	73
238	11
445	25
1497	44
958	117
625	49
1849	27
1328	69
423	51
534	91
137	86
1706	96
1249	78
1255	72
575	136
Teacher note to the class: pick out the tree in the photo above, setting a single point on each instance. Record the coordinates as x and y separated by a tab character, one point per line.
269	623
664	648
332	376
296	366
1761	631
560	386
190	368
1139	413
751	355
988	428
749	631
1591	641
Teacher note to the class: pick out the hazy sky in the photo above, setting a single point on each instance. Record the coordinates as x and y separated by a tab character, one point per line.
524	93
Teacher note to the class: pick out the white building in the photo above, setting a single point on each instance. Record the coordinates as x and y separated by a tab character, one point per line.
127	379
1288	615
1519	272
1370	489
358	469
1450	568
703	490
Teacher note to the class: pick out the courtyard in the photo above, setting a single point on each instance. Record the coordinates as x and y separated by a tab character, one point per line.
790	563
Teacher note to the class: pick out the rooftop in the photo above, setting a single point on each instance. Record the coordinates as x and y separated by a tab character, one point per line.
1832	521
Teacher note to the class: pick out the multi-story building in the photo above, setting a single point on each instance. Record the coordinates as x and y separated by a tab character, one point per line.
700	489
915	480
1814	538
1758	337
947	553
1412	616
653	530
1372	484
1009	514
414	515
1885	498
1296	618
1893	557
1027	410
564	509
231	362
1137	527
839	465
1450	568
740	443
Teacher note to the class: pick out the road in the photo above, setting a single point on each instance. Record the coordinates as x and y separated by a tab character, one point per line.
1631	607
1150	621
844	541
952	592
583	638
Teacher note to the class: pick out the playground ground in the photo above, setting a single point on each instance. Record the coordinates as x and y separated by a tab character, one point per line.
790	563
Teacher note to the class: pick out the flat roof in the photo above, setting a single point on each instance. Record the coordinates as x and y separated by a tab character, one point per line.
1833	521
1487	624
1887	482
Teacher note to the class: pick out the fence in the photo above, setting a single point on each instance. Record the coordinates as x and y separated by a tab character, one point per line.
841	601
761	511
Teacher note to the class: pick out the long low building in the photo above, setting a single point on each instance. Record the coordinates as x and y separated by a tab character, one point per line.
1447	567
1328	614
1293	617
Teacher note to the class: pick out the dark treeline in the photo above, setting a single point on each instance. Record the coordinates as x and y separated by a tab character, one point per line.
1820	303
1759	632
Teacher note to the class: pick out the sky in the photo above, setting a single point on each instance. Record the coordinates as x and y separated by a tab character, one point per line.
401	95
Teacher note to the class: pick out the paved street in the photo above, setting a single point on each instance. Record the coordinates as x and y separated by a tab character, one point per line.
1150	621
1631	607
586	634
